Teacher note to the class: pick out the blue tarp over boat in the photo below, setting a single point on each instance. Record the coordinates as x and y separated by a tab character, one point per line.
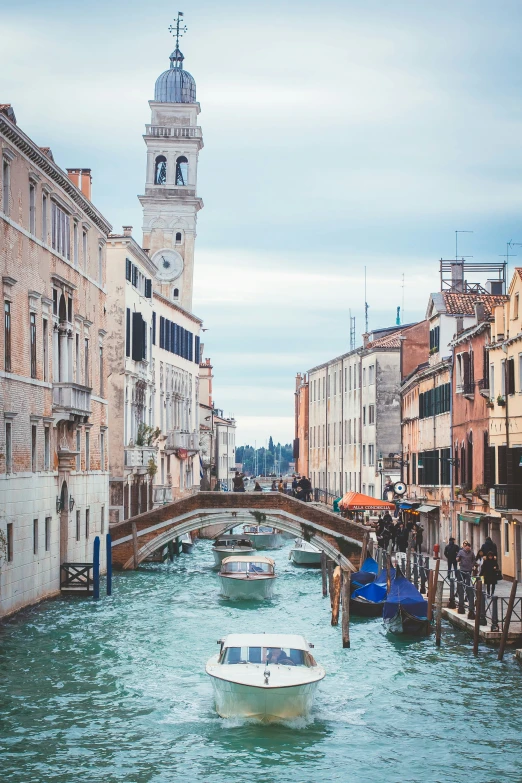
367	573
375	591
406	596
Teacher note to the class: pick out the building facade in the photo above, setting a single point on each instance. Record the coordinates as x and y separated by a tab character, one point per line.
302	425
225	449
53	440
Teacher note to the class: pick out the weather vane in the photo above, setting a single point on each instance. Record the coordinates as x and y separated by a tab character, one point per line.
180	29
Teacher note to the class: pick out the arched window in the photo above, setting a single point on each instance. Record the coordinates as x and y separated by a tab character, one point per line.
175	293
178	237
62	309
182	171
160	170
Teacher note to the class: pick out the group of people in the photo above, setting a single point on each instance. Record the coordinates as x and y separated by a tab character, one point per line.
484	564
398	532
301	487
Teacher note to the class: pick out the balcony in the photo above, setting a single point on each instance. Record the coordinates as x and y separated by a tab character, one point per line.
391	463
139	456
468	389
162	495
71	400
508	497
182	440
173	132
483	385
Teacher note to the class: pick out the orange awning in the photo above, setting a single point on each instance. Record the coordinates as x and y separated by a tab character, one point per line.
356	501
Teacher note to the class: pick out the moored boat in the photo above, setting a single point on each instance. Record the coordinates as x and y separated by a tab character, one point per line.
264	537
187	543
369	600
405	610
303	553
367	573
228	547
247	576
269	677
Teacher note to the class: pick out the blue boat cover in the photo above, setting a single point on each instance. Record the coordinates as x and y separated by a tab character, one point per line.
375	591
369	570
370	565
403	593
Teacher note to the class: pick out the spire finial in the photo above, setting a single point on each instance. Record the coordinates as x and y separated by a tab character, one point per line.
180	29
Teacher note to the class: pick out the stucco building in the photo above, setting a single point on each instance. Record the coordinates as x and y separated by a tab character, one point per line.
53	440
302	404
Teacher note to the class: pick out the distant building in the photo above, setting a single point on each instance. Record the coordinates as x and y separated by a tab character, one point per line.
54	495
301	425
207	433
225	448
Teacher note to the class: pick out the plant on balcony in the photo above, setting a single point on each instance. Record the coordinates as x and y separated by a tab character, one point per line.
457	491
501	401
490	404
433	350
147	435
152	468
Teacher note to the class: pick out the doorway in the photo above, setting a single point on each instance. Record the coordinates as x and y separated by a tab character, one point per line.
64	522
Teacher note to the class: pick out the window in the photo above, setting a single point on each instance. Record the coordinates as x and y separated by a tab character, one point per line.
87	522
45	347
371	454
100	264
434	339
178	237
86	361
364	376
160	170
6	186
76	250
84	248
78	524
32	208
175	293
47	448
506	537
364	455
128	333
492	381
445	466
8	447
102	520
60	231
371	374
7	336
48	521
371	490
364	415
78	449
520	371
503	378
101	371
35	536
515	307
428	467
434	401
44	218
33	449
87	450
32	330
102	451
148	288
510	376
182	171
9	553
371	414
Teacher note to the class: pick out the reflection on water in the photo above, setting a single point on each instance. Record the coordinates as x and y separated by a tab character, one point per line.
116	691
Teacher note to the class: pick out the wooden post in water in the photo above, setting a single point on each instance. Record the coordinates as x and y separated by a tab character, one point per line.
438	614
430	594
135	545
476	630
323	574
364	550
408	557
96	569
330	565
345	622
108	549
336	595
388	575
507	620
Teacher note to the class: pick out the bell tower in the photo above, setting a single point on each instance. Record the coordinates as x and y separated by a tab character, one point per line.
170	204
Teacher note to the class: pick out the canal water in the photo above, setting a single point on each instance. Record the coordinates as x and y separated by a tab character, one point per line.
116	691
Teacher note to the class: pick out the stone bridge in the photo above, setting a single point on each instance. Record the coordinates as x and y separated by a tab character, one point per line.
135	539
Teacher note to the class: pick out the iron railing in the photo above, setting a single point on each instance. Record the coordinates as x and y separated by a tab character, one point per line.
508	496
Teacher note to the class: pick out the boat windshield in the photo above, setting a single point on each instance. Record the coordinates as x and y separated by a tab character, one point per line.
233	542
286	656
247	568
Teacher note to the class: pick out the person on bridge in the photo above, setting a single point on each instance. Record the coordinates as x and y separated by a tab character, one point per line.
258	487
273	488
280	486
450	553
306	487
294	486
238	482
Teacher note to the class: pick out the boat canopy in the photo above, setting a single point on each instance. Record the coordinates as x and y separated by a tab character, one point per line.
294	641
356	501
368	572
370	565
232	542
404	594
248	559
375	591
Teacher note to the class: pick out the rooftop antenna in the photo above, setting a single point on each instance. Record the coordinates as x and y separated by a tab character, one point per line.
180	28
507	256
366	305
352	332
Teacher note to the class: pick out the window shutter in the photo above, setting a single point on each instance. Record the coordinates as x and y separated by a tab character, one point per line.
137	337
173	337
162	332
134	275
167	335
128	269
128	333
510	376
144	324
196	348
153	328
148	288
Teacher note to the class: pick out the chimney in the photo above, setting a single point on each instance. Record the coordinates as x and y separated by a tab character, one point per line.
127	231
480	312
297	380
366	339
457	276
74	176
86	183
460	325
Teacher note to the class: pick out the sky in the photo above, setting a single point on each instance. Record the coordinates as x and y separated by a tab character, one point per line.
339	137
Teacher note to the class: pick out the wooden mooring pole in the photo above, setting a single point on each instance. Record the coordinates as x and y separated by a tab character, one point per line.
324	574
476	629
430	595
330	565
108	546
135	545
96	569
507	620
364	550
438	614
336	595
345	622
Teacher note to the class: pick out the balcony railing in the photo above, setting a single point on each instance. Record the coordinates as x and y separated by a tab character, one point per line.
391	463
139	456
162	495
177	133
72	398
182	440
468	388
508	497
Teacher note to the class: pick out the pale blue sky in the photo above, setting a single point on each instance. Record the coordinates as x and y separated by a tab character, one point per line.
336	135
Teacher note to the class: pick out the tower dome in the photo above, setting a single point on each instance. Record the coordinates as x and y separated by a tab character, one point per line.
175	85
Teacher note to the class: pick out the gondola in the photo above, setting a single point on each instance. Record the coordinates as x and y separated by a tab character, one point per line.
369	600
405	610
366	575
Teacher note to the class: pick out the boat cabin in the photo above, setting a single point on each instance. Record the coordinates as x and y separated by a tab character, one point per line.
251	566
281	649
229	543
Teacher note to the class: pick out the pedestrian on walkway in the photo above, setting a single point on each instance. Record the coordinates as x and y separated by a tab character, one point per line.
419	537
280	486
401	537
306	486
466	561
450	553
490	573
489	546
294	486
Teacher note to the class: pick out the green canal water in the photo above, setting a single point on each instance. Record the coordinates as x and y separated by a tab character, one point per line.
117	691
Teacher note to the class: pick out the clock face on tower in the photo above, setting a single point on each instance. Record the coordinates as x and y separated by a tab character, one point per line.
169	264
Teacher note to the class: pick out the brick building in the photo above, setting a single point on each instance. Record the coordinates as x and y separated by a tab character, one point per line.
53	434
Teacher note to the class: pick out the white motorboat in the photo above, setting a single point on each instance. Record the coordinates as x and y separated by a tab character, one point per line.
265	676
187	544
264	537
228	547
303	553
248	576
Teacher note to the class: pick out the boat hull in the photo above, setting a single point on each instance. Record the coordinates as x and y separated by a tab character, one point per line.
408	625
186	547
220	554
302	557
267	540
253	588
266	704
366	608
